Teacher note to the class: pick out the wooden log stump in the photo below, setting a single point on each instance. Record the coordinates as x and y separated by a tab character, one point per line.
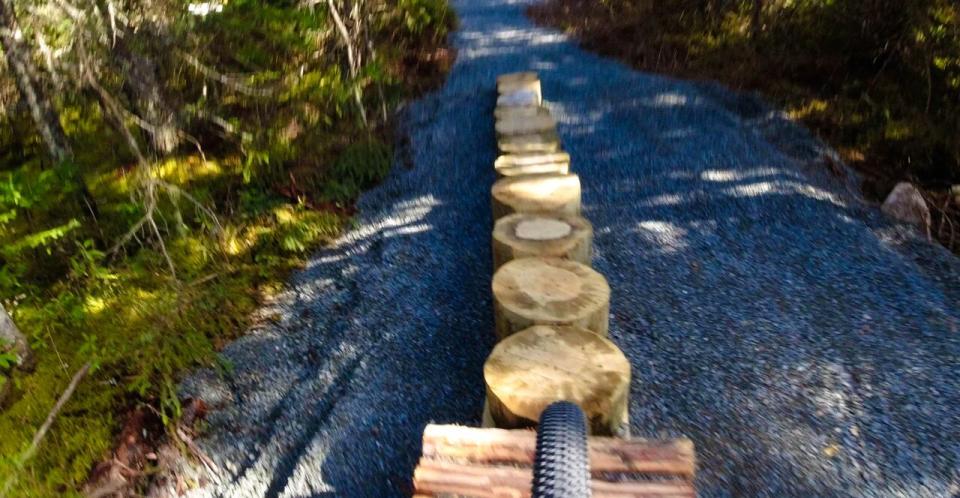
542	364
519	98
538	193
520	111
513	82
546	141
549	291
522	125
524	235
532	164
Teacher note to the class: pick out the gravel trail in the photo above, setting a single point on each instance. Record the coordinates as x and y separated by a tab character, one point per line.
807	345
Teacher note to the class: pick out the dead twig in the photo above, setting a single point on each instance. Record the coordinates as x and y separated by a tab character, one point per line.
42	431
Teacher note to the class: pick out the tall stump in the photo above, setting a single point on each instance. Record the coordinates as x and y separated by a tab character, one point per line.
542	364
514	82
523	235
503	112
519	125
544	141
540	193
532	164
549	291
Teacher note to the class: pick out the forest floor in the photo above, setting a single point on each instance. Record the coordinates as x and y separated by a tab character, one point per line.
865	118
805	342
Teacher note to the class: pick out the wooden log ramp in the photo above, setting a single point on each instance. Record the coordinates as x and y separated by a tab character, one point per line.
493	463
551	315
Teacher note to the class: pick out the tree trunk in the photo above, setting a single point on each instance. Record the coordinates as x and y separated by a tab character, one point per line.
533	368
142	82
13	340
28	83
549	291
45	116
756	20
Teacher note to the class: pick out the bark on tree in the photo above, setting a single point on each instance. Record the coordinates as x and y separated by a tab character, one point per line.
44	115
543	364
12	338
18	58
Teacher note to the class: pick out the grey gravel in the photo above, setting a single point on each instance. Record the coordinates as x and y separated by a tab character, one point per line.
806	344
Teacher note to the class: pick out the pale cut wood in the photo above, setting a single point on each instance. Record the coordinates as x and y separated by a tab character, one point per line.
523	235
514	160
520	111
519	98
667	457
536	193
546	141
535	367
521	125
514	82
534	169
434	478
549	291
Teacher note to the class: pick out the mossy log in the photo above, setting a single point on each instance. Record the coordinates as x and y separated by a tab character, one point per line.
542	364
537	193
523	235
549	291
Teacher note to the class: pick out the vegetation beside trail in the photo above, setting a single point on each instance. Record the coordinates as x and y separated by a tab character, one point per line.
163	166
879	79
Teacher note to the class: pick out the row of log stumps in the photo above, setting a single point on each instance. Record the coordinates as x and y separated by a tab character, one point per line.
551	314
551	309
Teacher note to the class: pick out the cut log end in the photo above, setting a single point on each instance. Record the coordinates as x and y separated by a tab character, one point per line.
549	291
542	364
523	235
541	193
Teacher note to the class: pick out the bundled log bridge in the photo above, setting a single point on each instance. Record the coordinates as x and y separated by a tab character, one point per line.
468	462
524	235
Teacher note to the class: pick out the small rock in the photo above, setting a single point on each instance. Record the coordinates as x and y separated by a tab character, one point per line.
906	204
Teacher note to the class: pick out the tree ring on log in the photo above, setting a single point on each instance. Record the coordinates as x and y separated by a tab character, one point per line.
549	291
542	364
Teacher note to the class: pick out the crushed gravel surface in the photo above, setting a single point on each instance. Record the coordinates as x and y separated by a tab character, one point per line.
806	344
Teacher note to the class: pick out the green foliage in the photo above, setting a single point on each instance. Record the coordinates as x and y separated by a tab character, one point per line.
271	163
420	16
879	79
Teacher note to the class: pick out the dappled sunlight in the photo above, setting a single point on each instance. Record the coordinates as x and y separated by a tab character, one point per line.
730	175
665	100
667	236
784	187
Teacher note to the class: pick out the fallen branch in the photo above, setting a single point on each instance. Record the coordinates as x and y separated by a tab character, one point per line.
42	432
